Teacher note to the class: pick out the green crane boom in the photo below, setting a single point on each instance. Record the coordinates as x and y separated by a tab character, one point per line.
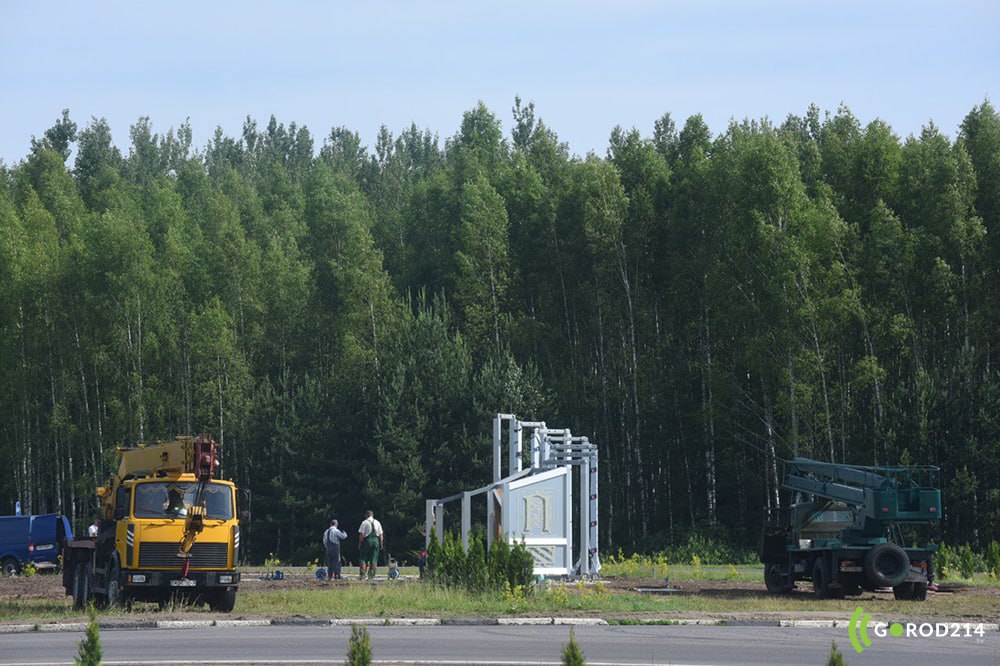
880	496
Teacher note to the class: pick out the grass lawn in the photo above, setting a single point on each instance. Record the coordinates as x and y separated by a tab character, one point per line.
716	590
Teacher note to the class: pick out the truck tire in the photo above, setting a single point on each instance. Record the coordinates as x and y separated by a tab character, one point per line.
886	565
774	579
821	580
919	592
903	592
113	589
11	567
223	601
81	586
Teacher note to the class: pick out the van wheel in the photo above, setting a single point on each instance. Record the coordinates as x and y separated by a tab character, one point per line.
11	567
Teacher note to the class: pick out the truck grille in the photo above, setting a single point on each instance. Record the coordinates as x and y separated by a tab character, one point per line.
158	555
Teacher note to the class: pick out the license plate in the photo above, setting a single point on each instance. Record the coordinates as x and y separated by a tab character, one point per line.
852	569
182	582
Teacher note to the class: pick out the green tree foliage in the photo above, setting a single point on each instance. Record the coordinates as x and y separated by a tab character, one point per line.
572	654
346	321
90	652
359	648
836	656
502	568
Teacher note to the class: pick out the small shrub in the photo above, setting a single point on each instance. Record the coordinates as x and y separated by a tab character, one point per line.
496	565
993	557
836	657
475	566
944	560
433	556
90	647
520	566
29	569
359	648
966	561
572	654
559	594
696	565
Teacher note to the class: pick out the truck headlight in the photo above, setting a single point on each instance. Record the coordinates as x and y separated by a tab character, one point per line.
137	578
226	578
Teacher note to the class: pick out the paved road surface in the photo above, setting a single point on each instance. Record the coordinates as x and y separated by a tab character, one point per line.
481	645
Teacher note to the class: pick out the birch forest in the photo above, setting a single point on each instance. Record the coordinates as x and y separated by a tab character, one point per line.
346	319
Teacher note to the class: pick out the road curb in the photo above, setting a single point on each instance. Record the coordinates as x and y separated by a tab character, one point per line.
524	621
184	624
470	621
242	623
63	626
413	621
579	621
17	628
451	621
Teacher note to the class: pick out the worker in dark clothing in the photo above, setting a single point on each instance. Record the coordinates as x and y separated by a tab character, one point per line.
331	540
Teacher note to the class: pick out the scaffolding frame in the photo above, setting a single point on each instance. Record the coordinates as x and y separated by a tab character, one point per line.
551	453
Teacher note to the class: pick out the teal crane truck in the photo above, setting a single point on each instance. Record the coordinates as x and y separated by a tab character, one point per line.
843	530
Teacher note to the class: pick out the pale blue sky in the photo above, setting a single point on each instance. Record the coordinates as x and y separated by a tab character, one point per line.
588	66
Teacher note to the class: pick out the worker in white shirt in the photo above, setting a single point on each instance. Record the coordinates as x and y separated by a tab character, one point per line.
370	541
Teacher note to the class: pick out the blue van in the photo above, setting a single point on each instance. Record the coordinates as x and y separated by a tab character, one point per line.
35	539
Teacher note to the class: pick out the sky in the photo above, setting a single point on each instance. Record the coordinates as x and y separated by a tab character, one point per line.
587	66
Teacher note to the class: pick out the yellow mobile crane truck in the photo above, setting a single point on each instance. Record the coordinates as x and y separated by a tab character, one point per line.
168	530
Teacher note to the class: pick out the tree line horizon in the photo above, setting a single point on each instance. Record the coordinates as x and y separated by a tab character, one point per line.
346	321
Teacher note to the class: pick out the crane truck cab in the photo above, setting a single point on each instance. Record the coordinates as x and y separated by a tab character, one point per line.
168	531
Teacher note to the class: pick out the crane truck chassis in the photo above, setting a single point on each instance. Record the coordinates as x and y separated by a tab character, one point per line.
168	531
843	533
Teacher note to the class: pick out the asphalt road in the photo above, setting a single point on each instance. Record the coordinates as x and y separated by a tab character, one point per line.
482	645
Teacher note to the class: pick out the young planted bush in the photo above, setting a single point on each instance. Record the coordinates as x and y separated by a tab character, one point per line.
359	648
503	568
572	654
90	647
836	656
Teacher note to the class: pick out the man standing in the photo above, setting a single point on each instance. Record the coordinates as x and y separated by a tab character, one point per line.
331	539
370	541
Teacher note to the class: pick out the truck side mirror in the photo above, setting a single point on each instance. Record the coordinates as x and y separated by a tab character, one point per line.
122	497
243	505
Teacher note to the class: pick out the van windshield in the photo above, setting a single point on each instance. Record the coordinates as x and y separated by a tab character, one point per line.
172	499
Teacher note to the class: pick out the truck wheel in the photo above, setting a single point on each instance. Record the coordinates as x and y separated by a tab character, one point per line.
886	565
852	591
919	592
773	579
114	587
821	580
903	592
81	586
223	600
11	567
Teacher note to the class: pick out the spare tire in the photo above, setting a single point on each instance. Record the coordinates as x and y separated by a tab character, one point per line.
887	565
